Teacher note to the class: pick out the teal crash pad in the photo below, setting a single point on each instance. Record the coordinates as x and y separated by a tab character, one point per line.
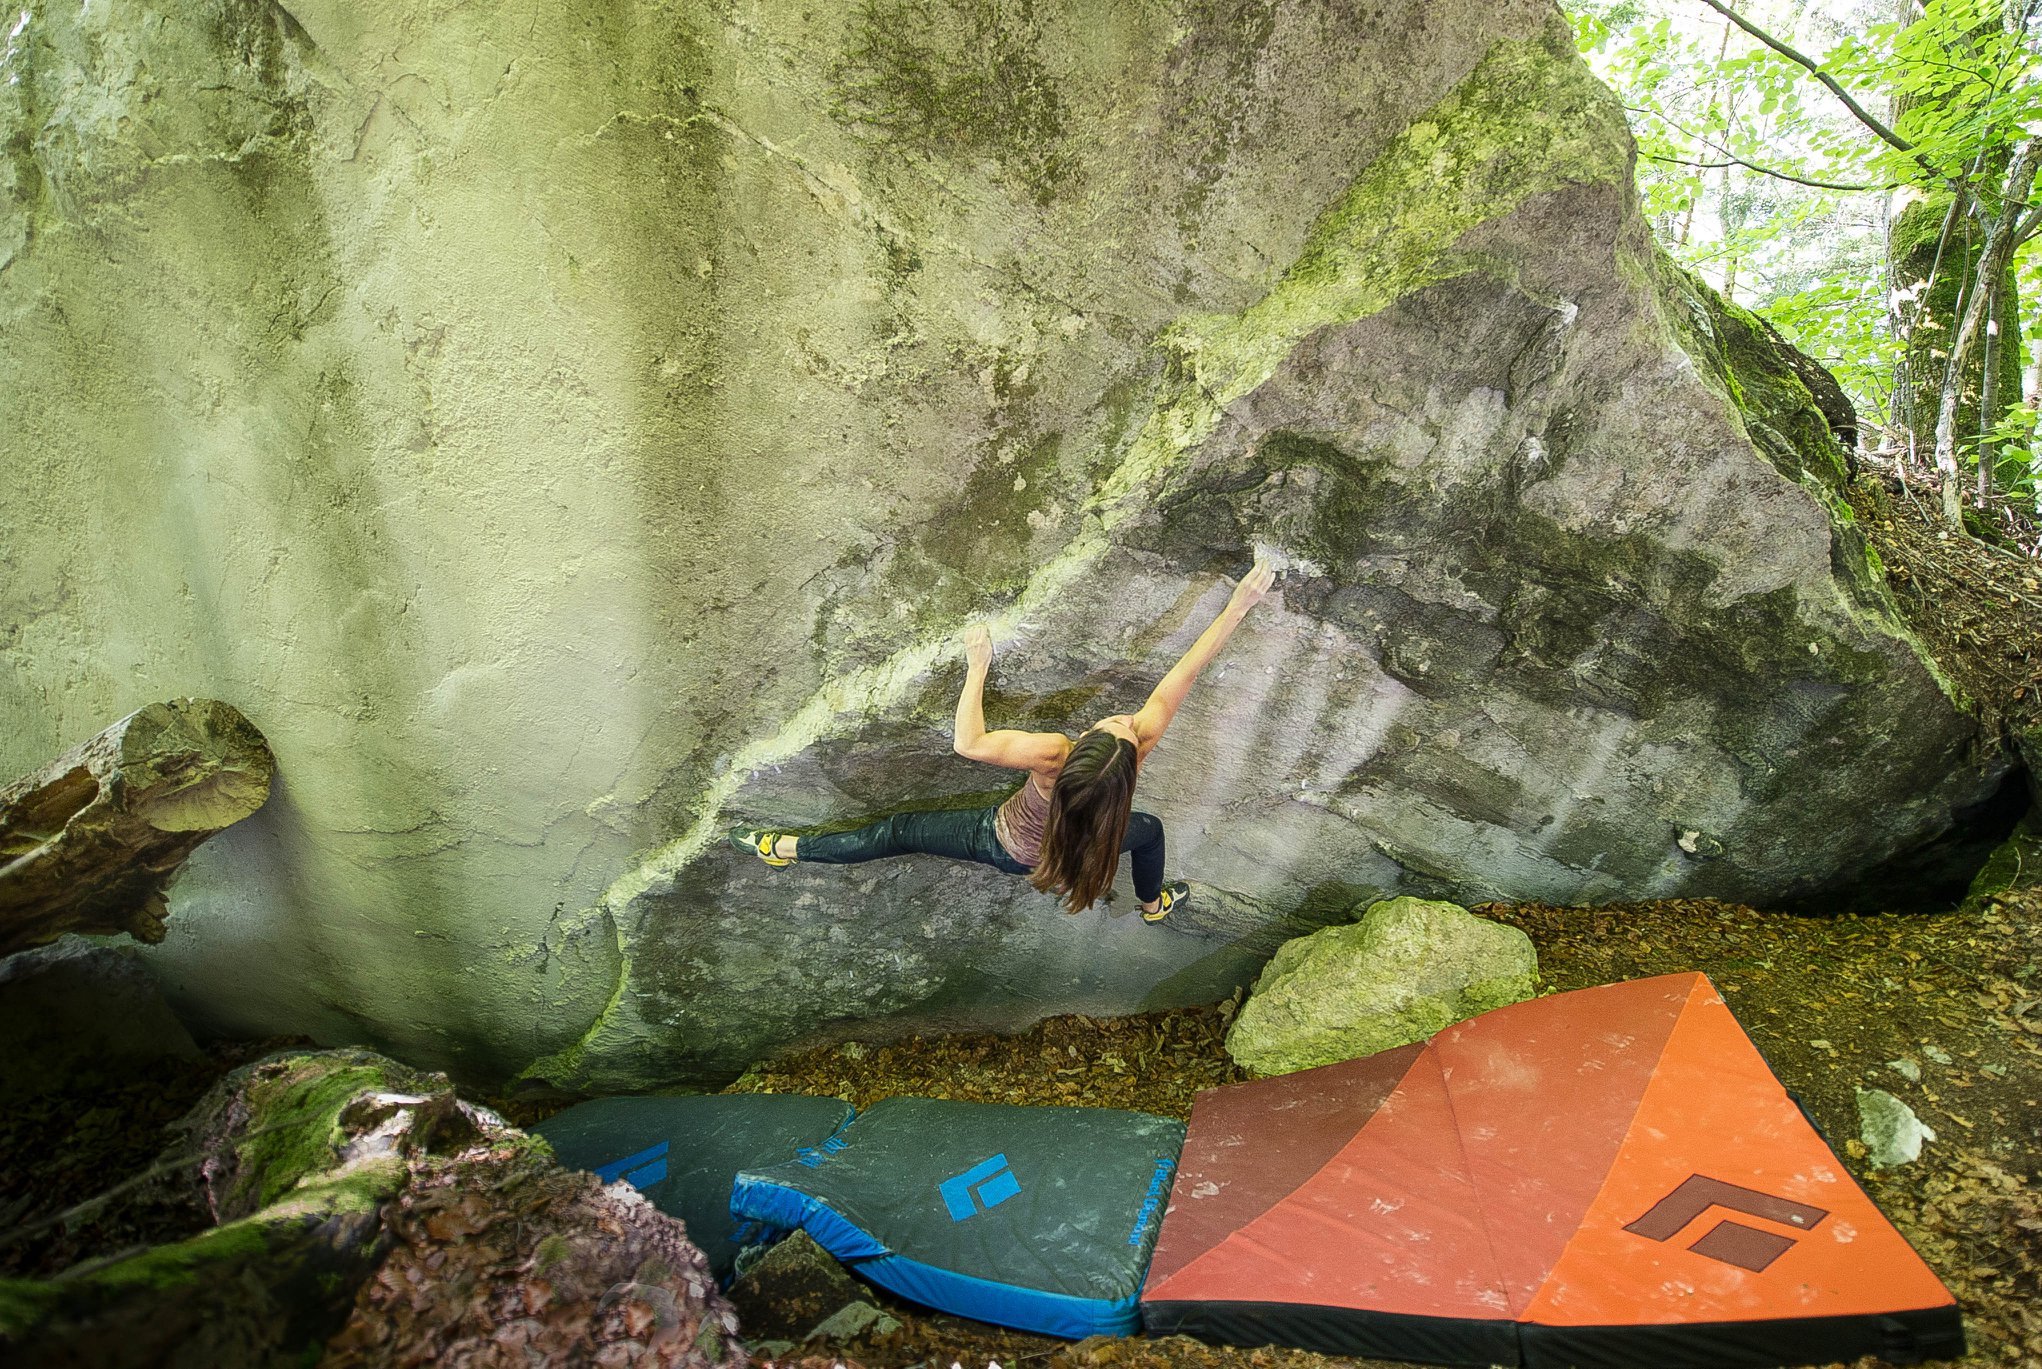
1035	1218
683	1152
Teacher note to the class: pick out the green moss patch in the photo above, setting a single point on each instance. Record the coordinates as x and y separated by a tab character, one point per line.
295	1122
957	78
1529	120
1745	357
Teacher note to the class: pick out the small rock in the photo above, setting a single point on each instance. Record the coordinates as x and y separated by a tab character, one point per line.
73	1008
854	1319
1937	1054
1408	969
1906	1069
1893	1135
794	1291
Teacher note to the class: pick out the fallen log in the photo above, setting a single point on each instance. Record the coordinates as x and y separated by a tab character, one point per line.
367	1216
90	842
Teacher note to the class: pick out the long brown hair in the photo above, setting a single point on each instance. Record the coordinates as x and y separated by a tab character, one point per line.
1087	821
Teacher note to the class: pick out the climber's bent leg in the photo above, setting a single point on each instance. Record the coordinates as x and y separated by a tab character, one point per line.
1144	841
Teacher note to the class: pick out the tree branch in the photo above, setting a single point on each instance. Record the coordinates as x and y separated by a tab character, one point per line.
2029	223
1814	68
1736	160
1993	258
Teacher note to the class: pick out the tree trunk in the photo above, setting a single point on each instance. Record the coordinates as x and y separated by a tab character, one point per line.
1988	406
1933	252
89	842
1994	258
1730	215
2031	396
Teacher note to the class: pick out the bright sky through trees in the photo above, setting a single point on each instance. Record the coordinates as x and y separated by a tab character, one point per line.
1761	179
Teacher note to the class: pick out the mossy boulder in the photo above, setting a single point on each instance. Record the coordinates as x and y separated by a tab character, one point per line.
277	1153
596	436
369	1216
1409	968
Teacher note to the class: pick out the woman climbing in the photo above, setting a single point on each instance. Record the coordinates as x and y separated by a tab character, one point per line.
1067	824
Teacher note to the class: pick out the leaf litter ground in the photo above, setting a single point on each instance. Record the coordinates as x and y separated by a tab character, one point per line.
1832	1002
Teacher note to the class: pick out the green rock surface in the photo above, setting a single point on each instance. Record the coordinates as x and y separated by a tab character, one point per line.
366	1216
2016	863
567	431
1408	969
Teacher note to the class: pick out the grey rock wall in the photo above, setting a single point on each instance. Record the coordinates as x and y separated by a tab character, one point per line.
567	430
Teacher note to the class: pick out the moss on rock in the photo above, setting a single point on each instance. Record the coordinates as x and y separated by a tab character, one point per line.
1761	374
450	1209
283	1121
2015	864
958	79
1529	119
1409	968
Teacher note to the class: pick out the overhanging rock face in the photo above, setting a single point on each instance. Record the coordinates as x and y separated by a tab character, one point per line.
1570	615
575	433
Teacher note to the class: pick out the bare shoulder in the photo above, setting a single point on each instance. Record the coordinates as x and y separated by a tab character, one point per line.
1145	735
1056	750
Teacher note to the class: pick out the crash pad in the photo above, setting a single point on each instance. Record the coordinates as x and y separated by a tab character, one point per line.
1039	1218
684	1152
1609	1177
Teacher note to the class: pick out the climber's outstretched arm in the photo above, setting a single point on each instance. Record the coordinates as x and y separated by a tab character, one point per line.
1156	715
1038	751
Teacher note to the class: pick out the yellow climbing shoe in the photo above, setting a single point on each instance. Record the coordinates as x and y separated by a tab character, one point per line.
1175	895
760	844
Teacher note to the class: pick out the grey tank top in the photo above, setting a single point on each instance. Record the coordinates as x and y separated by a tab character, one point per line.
1020	822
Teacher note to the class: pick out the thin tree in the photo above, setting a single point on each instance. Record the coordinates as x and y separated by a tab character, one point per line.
1980	229
2002	234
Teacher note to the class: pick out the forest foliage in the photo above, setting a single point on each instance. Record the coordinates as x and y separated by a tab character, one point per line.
1861	172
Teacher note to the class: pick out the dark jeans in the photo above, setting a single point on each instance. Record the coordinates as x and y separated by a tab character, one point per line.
967	834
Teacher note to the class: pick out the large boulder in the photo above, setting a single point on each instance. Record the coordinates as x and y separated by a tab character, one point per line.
74	1010
1409	968
570	431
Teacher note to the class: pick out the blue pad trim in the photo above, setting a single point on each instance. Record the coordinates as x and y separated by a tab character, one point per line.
608	1173
789	1210
1026	1309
